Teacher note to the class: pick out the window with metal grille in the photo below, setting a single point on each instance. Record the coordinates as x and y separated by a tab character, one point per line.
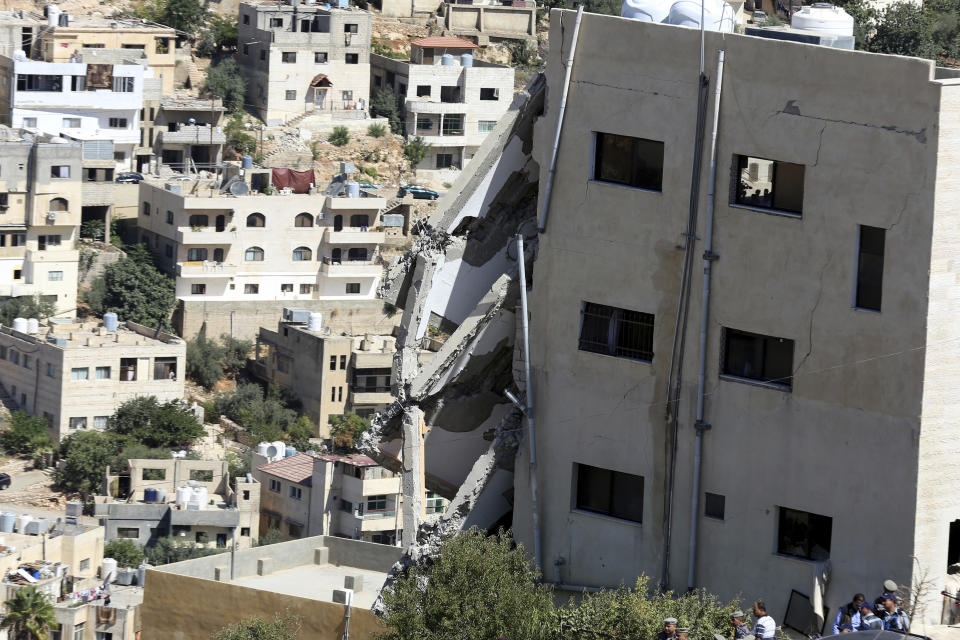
757	357
870	267
616	332
611	493
634	162
769	184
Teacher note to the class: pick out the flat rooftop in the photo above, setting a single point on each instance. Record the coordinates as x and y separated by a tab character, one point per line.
189	103
84	335
83	21
317	582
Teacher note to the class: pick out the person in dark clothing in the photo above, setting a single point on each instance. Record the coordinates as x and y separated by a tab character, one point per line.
868	619
849	612
889	587
669	629
740	629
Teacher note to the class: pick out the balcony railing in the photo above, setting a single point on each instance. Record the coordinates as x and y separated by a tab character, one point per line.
374	515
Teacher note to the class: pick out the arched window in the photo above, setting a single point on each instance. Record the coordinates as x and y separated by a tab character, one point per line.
253	254
198	220
357	253
256	220
304	220
302	254
60	204
359	220
196	255
218	255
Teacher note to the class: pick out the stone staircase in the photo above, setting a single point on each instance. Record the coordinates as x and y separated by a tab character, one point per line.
195	76
7	402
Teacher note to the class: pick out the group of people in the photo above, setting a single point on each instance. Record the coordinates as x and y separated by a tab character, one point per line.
883	613
857	615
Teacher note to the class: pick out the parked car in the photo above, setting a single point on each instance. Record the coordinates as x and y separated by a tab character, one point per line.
130	177
759	18
418	192
4	481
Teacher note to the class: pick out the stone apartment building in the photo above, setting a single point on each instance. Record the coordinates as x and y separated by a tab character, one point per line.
76	374
190	500
348	496
239	260
39	216
304	58
450	99
182	133
330	374
829	358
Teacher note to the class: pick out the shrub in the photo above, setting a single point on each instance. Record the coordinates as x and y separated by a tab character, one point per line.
124	551
26	434
340	136
376	130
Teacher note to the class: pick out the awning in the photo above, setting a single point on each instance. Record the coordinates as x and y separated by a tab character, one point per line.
321	80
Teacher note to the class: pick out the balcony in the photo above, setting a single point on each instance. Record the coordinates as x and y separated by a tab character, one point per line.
206	269
351	268
192	134
353	236
427	106
355	204
54	254
204	235
371	397
374	515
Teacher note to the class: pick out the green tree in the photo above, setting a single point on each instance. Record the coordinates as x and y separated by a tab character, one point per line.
135	451
477	586
239	464
124	551
26	307
238	137
235	354
340	136
386	105
415	150
224	81
85	456
185	15
137	291
904	29
150	10
224	31
283	627
154	424
300	432
376	130
345	430
30	615
165	550
26	434
204	360
272	536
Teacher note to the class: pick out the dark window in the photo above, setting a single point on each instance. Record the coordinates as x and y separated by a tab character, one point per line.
263	56
769	184
168	251
286	288
804	535
611	493
423	91
245	532
276	22
153	474
352	58
343	362
870	267
118	123
296	530
221	541
450	94
199	220
128	369
616	332
635	162
320	57
349	28
198	289
453	124
487	93
303	220
356	254
290	94
251	288
424	123
201	475
444	160
196	254
353	287
128	532
202	537
60	171
953	544
714	505
256	220
288	56
333	363
246	18
757	357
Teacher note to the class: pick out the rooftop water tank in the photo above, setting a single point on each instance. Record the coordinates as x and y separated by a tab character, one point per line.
161	495
110	321
822	17
22	521
149	495
20	324
109	569
262	448
53	15
353	189
142	574
33	326
74	508
20	55
645	10
717	15
248	162
315	323
289	452
7	521
183	496
126	576
466	60
446	60
273	451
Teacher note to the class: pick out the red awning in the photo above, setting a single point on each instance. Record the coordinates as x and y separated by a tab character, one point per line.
321	80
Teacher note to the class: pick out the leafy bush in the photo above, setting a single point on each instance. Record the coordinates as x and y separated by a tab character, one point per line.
346	429
340	136
86	455
371	171
282	627
237	135
124	551
415	151
169	425
273	536
165	550
376	130
135	290
235	354
267	417
224	81
26	434
26	307
204	360
386	104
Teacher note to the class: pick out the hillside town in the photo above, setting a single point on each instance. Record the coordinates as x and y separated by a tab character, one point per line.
303	335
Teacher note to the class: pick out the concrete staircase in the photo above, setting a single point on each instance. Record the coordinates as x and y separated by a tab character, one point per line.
6	401
196	77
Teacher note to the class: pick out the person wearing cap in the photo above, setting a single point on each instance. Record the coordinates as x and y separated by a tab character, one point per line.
765	628
683	633
889	587
868	619
669	629
740	629
850	612
895	619
846	627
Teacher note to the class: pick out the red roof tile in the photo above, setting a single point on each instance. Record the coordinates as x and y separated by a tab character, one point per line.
297	468
444	42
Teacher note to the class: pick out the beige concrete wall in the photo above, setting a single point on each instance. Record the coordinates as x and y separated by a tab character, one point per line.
491	21
849	425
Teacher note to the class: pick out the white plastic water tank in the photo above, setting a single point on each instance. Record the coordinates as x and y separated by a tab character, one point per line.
289	452
20	55
142	574
353	189
466	59
7	521
315	322
273	451
109	569
446	60
161	495
183	496
822	17
74	508
110	321
20	324
53	15
717	15
33	326
201	494
645	10
262	448
22	521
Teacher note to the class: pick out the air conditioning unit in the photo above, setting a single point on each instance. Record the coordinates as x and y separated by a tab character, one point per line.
51	215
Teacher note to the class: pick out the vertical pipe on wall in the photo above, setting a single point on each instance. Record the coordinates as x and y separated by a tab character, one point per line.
528	402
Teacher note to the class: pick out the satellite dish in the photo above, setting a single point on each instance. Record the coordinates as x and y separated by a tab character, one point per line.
239	188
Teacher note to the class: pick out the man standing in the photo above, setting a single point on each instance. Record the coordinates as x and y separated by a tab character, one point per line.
683	633
740	630
765	628
889	587
894	618
669	629
868	619
850	612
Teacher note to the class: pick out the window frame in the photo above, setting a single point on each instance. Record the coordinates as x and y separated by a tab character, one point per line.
772	384
861	276
580	505
782	514
740	164
646	322
636	181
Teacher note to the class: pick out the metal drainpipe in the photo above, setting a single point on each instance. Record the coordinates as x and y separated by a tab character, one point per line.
528	401
542	220
708	257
